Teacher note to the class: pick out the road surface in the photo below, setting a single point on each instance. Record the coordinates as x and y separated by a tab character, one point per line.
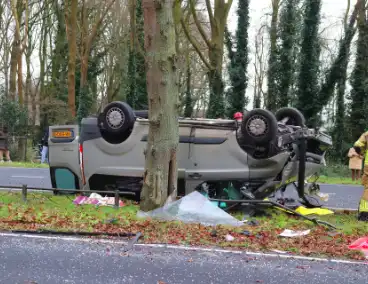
341	196
37	177
45	261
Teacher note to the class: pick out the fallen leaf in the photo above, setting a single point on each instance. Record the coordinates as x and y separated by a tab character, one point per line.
303	267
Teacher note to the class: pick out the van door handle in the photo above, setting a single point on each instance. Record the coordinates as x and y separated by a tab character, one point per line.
195	176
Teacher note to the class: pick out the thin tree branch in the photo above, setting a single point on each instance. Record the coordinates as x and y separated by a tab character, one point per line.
195	44
97	25
227	7
198	24
210	14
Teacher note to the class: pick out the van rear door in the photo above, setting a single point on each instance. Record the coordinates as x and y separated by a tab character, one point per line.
64	163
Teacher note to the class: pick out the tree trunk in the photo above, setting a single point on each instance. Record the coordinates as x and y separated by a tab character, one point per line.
137	93
160	176
216	102
358	78
6	66
337	69
87	37
83	100
288	37
28	93
42	54
20	77
308	80
72	31
237	68
188	110
60	52
272	93
217	18
13	67
216	106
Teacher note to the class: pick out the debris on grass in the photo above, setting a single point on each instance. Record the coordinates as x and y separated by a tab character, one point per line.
58	213
313	211
361	245
193	208
291	234
229	238
96	199
253	223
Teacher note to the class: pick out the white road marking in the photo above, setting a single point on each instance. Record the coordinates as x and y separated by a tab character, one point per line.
273	255
38	177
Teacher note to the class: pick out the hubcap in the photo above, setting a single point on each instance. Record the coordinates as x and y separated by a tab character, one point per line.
257	126
115	118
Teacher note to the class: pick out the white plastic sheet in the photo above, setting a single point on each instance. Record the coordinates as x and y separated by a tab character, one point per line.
291	234
193	208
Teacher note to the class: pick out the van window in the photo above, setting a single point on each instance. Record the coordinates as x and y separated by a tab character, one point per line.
64	179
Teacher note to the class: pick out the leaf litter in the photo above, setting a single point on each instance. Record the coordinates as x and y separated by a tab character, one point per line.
260	234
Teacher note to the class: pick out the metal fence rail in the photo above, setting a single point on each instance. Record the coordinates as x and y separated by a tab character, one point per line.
24	190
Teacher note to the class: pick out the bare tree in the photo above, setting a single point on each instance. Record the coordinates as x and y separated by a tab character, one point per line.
215	43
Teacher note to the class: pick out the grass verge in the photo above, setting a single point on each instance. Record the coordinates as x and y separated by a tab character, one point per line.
338	180
23	165
59	213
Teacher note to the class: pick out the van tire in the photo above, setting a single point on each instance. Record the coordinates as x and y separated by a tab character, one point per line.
296	118
117	118
259	126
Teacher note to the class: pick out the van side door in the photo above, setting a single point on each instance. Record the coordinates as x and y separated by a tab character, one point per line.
64	161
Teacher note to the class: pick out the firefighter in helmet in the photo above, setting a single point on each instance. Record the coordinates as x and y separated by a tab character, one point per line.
362	145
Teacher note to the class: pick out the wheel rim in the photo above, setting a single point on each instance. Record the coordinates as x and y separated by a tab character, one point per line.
257	126
115	118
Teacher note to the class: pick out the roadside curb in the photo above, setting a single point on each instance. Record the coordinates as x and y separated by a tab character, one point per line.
339	184
184	248
342	210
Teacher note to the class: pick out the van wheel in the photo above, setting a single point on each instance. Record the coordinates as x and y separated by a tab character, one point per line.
117	118
293	116
259	126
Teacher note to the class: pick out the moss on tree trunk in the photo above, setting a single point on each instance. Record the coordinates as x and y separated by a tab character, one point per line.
160	176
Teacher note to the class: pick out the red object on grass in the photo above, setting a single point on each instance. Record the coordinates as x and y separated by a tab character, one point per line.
360	244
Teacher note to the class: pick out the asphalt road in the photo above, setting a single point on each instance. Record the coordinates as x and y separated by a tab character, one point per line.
341	196
45	261
37	177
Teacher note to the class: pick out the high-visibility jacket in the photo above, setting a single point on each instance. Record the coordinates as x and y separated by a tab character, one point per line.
362	143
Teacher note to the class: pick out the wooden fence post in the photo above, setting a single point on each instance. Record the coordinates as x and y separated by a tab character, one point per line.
24	193
117	199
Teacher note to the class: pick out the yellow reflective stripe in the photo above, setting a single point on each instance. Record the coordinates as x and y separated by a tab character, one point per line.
363	206
359	144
